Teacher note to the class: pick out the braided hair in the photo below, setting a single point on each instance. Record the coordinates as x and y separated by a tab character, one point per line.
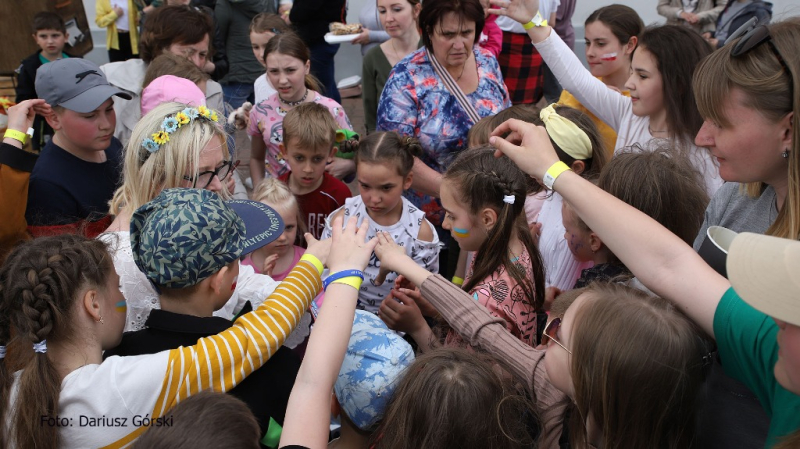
41	280
482	180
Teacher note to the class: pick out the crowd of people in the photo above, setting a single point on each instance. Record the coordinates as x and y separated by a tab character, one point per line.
527	261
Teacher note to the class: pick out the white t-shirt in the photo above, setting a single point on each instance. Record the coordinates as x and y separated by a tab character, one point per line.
263	88
546	8
123	20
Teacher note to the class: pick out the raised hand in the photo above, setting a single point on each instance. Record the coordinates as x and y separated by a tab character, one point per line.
527	145
269	264
388	252
400	312
21	115
349	248
520	10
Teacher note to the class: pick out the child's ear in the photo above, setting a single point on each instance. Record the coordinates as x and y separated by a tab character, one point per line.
578	167
594	242
631	45
488	217
91	304
54	120
334	150
408	181
308	67
282	149
217	280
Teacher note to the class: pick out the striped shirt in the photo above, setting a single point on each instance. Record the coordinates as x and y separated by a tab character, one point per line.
109	405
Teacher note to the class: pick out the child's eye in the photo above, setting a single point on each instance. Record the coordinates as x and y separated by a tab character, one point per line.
289	228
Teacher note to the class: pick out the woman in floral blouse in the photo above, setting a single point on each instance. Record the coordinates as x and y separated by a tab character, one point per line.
416	102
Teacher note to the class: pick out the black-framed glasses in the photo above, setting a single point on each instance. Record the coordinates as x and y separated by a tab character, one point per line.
752	37
550	331
204	179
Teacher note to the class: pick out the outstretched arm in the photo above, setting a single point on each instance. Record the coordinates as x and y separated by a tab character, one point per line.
661	260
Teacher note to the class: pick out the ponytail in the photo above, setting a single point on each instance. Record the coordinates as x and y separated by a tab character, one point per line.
41	281
389	146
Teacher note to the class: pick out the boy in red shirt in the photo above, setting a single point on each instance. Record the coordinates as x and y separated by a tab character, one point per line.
309	132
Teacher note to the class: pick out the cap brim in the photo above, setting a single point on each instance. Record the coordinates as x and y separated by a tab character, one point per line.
262	224
91	99
763	271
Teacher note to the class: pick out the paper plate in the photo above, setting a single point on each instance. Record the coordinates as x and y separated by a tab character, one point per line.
350	81
334	39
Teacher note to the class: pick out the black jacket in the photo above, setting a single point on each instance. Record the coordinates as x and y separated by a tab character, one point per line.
311	18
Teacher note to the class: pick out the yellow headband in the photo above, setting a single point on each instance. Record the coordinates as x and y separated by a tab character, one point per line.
566	134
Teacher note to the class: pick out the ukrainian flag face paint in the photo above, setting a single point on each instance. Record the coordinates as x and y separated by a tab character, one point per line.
461	233
121	306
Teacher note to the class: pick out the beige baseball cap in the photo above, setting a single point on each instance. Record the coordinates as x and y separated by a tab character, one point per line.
765	272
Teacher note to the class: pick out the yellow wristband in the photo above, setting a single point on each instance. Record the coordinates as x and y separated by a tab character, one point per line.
457	280
536	21
353	281
553	173
16	135
314	260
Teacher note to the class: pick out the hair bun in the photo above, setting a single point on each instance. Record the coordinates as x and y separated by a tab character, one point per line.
412	145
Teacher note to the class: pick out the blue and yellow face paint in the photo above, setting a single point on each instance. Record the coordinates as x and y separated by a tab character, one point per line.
121	306
461	233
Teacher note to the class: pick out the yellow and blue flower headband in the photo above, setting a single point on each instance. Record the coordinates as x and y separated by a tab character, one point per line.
173	123
566	134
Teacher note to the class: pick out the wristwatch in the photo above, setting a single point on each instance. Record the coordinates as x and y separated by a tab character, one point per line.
537	21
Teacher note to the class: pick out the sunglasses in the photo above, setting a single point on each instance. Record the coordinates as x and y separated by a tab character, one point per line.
204	179
752	37
550	331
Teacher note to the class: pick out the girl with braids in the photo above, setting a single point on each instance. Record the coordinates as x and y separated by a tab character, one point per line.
484	198
62	295
384	162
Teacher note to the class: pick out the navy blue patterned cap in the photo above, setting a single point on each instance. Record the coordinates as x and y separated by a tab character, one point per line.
183	236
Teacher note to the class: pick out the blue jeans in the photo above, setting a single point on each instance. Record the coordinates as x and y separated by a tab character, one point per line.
322	55
236	94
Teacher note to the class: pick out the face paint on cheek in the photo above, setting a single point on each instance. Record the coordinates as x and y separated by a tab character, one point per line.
233	284
461	233
609	57
121	306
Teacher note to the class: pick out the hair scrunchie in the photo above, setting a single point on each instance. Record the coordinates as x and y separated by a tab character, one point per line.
566	134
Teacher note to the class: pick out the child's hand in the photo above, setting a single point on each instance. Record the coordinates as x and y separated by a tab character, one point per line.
269	264
21	115
403	282
536	231
318	248
387	251
349	248
400	312
520	10
527	145
341	168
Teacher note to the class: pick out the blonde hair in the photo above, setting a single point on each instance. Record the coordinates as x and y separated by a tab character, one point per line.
145	174
312	125
768	89
276	194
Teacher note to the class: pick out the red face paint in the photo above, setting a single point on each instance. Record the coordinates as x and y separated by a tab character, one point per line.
609	57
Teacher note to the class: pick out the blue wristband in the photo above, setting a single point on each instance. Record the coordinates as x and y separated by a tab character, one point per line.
340	275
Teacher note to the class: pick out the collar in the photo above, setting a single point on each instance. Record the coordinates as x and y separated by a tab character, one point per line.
188	324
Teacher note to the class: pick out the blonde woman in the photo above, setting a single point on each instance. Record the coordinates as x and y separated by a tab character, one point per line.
193	157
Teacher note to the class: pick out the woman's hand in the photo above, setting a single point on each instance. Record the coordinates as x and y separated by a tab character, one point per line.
527	145
521	11
389	253
350	250
362	38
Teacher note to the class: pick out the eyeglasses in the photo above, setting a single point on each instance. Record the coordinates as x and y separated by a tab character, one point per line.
204	179
550	331
752	38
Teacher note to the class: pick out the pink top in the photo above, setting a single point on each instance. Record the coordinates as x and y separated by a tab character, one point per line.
266	121
298	252
491	36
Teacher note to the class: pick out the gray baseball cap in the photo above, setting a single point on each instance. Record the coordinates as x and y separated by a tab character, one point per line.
75	84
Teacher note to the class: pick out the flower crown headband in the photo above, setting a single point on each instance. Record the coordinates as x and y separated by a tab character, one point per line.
174	122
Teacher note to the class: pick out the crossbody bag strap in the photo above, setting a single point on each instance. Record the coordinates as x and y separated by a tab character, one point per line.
452	86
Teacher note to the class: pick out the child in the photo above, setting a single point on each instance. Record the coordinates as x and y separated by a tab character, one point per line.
662	184
308	135
280	256
79	169
74	307
50	35
195	281
483	198
383	168
263	28
492	36
120	18
174	65
374	364
288	62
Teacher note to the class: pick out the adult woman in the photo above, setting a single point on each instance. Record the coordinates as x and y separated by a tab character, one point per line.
735	14
179	30
422	101
399	17
373	30
183	161
699	15
612	33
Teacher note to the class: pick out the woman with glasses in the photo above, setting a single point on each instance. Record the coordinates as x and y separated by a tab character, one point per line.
193	155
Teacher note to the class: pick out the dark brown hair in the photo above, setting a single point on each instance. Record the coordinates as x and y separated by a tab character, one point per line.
433	12
290	44
622	20
309	126
48	21
454	398
169	64
480	133
628	345
768	89
205	420
41	282
677	50
268	22
169	25
389	147
481	180
661	183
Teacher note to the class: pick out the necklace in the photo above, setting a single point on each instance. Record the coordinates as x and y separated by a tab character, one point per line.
463	67
294	103
396	53
650	128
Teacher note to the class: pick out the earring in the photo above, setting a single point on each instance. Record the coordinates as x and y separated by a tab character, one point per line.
785	154
101	320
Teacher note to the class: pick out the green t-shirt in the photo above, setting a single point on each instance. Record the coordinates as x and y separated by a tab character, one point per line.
748	347
45	60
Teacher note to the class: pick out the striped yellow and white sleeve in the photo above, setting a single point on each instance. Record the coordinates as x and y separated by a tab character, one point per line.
221	361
